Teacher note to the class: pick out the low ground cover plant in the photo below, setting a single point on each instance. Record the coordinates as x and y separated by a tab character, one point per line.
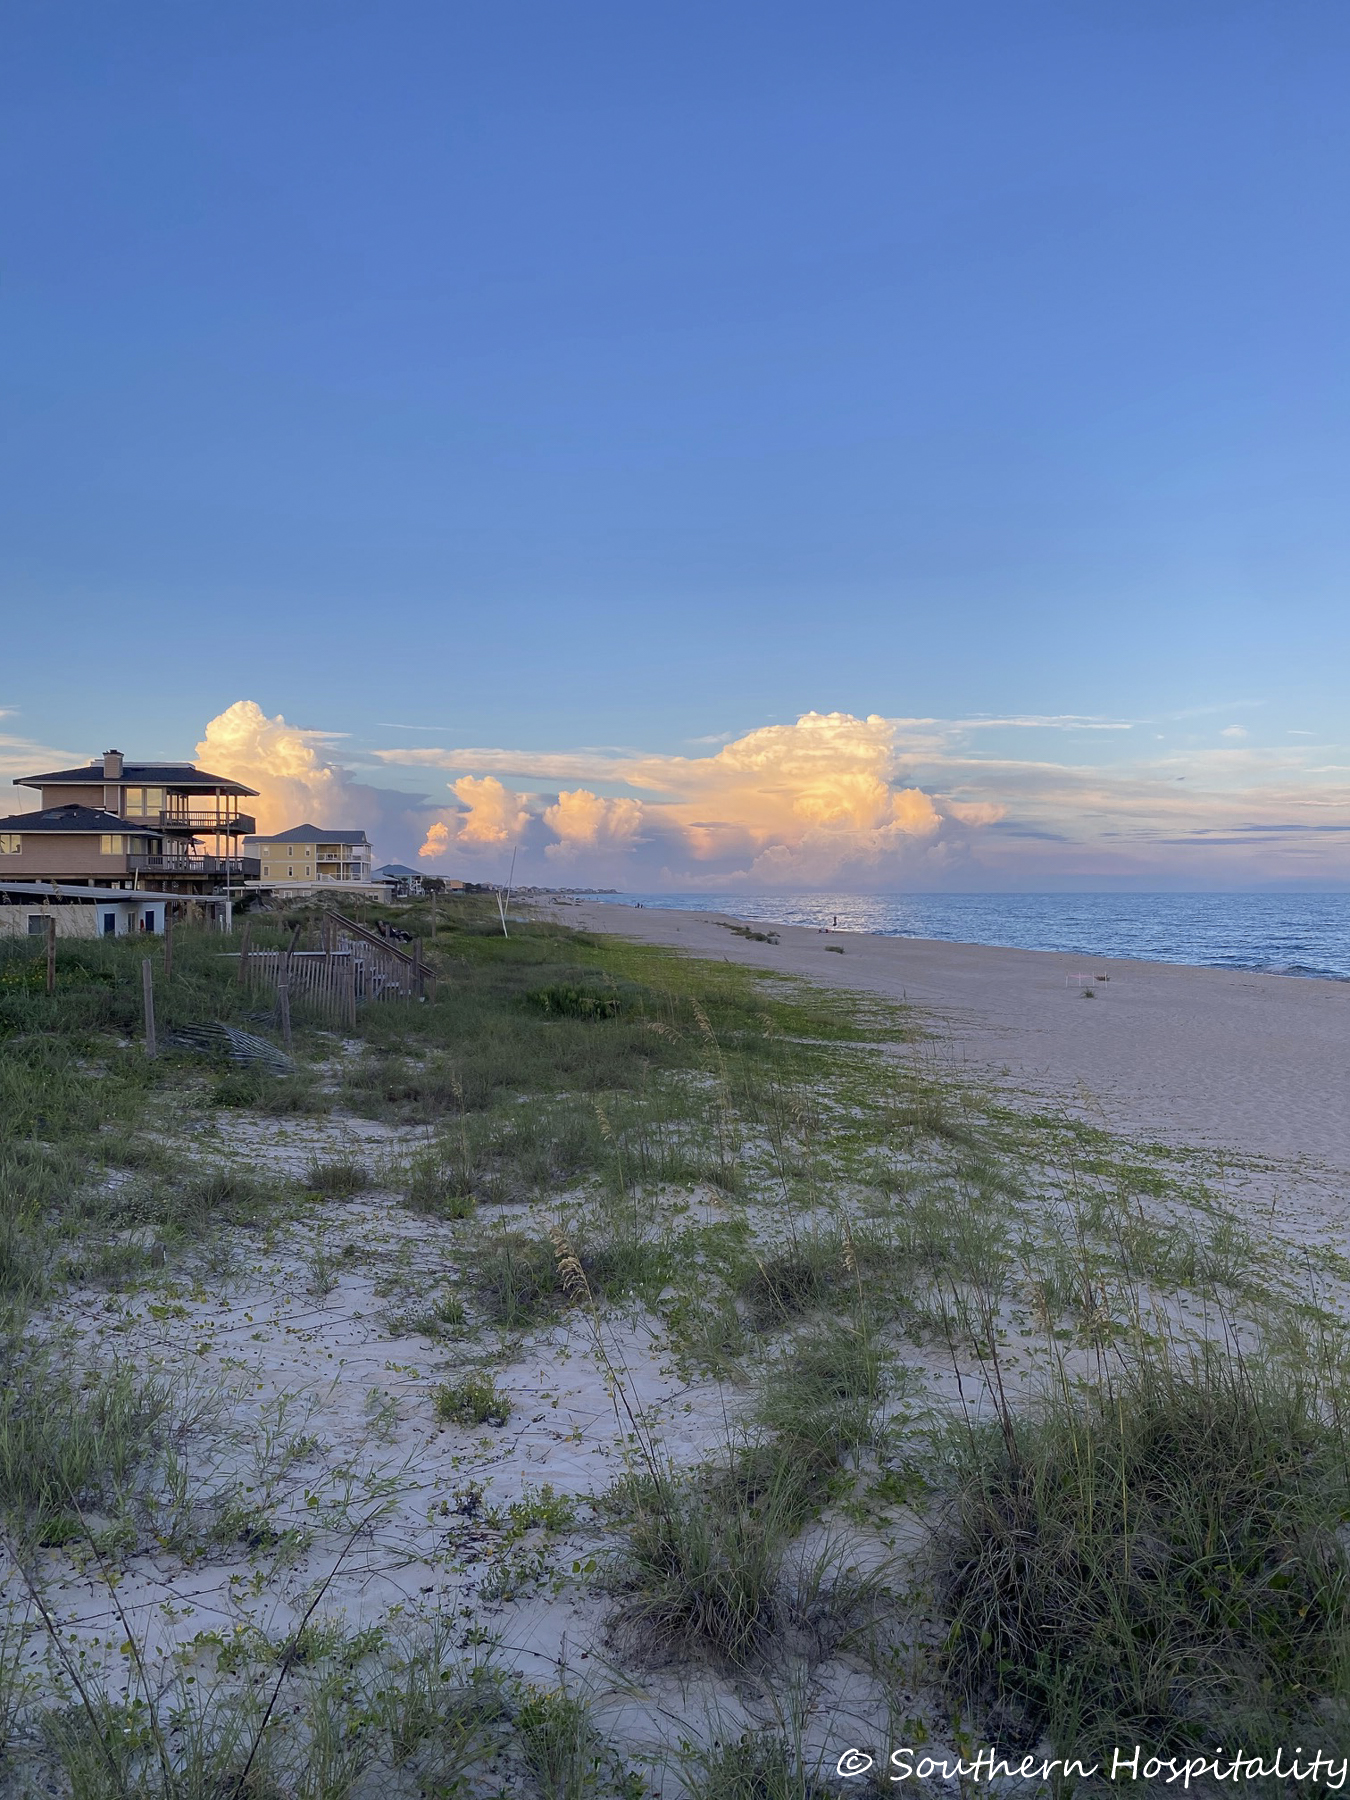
472	1400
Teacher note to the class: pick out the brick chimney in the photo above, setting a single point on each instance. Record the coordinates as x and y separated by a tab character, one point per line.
112	765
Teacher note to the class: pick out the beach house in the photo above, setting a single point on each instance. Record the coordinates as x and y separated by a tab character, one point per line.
404	881
116	824
310	856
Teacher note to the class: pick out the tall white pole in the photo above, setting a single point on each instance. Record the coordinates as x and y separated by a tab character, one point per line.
510	883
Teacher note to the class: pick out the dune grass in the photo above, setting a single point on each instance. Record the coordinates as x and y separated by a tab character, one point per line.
71	1442
337	1177
596	1132
1158	1559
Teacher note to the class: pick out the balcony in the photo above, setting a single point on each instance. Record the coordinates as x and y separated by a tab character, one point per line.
206	822
202	868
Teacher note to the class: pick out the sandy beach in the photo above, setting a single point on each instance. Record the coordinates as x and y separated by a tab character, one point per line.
1223	1059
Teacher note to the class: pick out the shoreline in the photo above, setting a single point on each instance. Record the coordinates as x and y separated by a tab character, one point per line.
1220	1059
775	921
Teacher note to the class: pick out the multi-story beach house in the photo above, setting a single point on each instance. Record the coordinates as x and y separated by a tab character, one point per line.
115	824
312	856
404	881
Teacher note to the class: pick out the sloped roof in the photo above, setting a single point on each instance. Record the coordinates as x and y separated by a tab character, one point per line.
310	834
170	775
76	818
399	871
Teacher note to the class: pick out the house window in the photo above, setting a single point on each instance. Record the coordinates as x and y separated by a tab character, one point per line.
37	924
144	802
11	843
112	844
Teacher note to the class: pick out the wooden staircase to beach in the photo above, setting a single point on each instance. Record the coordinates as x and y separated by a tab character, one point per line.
355	966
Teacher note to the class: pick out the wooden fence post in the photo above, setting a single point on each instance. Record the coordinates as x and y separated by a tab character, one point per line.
168	941
351	987
243	952
51	953
148	996
417	966
284	996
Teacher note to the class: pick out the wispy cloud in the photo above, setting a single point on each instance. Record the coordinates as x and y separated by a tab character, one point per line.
1045	722
26	756
546	765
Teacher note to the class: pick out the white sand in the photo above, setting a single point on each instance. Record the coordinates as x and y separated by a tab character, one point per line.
1223	1059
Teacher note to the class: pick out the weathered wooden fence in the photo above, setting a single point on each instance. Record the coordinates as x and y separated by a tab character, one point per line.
354	966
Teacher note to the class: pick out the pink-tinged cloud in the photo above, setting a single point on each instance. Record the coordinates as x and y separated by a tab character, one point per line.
804	801
975	812
437	840
299	782
295	780
585	823
827	800
493	814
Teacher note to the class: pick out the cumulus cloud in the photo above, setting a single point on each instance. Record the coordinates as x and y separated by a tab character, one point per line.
300	781
826	772
801	801
489	817
834	797
585	822
437	840
295	779
493	814
793	801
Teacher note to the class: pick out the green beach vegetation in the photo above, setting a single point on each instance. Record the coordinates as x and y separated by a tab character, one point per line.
608	1325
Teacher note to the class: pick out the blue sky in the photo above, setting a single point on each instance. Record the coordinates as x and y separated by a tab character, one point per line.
526	378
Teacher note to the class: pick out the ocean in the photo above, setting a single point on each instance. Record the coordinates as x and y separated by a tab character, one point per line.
1283	934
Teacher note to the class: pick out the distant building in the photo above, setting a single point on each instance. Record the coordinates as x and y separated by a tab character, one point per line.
115	824
402	879
311	856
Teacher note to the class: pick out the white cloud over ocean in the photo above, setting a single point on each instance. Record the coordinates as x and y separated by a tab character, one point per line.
802	802
828	799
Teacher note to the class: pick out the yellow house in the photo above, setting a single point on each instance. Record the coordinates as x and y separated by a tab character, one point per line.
311	855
